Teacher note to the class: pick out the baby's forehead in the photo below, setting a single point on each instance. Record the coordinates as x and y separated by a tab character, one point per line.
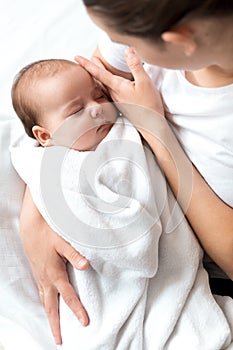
83	74
96	84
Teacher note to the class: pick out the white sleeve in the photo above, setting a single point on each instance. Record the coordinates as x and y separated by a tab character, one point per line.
113	53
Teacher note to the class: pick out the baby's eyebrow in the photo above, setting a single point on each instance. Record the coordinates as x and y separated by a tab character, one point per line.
98	87
101	87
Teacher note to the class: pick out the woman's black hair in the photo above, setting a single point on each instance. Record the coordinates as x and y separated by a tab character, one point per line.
150	18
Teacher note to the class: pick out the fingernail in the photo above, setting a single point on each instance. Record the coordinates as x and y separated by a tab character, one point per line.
82	263
58	342
79	59
130	52
83	318
83	321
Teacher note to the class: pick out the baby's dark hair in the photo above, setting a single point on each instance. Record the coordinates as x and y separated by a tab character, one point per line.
22	94
148	19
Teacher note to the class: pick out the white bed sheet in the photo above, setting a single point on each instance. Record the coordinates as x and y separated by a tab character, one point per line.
29	30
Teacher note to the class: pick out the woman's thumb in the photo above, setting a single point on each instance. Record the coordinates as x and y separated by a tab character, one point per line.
134	63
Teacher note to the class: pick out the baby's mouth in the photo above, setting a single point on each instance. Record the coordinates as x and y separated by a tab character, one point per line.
104	126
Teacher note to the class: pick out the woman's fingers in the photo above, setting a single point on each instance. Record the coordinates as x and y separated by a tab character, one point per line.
54	282
144	88
70	254
59	277
100	73
70	298
49	296
50	300
49	264
97	61
135	64
141	91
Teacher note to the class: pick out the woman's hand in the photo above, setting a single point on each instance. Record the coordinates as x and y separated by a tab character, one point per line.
47	253
141	91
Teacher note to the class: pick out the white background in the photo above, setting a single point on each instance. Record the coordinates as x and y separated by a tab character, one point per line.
39	29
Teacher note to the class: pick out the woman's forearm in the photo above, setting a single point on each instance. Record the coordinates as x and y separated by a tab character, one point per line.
210	218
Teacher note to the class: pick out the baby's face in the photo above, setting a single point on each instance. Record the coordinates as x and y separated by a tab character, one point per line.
75	109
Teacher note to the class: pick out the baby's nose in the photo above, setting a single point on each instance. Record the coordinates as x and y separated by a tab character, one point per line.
96	110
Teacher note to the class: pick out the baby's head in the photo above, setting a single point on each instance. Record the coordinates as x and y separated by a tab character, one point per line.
47	92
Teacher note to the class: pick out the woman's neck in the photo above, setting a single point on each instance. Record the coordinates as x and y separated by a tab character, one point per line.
210	77
216	44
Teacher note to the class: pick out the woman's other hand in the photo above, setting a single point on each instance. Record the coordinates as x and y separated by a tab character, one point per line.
48	253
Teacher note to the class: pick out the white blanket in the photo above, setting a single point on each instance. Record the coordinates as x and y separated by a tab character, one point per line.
145	287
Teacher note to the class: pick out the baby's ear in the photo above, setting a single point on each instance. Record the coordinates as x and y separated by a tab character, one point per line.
41	134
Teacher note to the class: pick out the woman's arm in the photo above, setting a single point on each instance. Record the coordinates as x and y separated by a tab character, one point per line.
210	217
47	253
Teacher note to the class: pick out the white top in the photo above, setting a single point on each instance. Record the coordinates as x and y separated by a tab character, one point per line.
202	119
